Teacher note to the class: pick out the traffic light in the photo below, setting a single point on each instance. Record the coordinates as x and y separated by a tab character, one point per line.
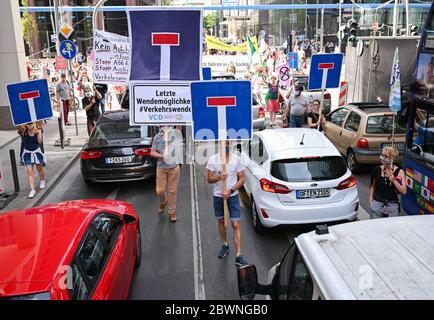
414	30
353	27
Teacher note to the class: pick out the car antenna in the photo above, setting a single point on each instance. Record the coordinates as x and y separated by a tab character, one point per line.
302	139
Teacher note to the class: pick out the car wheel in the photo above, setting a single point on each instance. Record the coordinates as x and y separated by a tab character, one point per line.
138	248
353	165
256	222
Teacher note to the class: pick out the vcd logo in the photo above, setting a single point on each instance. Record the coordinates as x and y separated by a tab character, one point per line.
155	117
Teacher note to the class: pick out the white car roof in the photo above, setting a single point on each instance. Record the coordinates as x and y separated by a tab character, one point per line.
389	259
285	143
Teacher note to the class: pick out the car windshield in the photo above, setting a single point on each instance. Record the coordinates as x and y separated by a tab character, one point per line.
310	169
119	130
383	125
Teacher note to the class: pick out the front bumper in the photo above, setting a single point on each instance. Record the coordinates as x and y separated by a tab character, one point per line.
259	124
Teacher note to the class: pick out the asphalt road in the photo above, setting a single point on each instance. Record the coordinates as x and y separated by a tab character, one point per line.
180	259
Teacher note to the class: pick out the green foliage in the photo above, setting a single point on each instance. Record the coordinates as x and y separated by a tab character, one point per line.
28	25
166	2
209	20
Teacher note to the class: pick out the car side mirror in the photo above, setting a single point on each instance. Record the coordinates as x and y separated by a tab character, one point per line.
247	282
128	219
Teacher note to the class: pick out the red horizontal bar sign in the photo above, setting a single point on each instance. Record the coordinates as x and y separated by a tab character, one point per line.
221	101
159	39
326	65
29	95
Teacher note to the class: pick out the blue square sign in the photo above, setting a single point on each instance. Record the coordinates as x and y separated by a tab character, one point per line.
325	71
29	101
222	110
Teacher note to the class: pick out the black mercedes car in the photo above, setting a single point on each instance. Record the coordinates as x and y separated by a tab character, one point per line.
116	151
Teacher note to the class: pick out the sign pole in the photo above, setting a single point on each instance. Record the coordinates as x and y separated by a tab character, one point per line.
225	186
323	87
393	129
71	75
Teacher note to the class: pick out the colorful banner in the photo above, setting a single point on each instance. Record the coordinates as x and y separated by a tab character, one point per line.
111	58
219	64
215	43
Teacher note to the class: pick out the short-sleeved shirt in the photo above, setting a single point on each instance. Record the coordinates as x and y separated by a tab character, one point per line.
298	105
233	167
175	150
63	89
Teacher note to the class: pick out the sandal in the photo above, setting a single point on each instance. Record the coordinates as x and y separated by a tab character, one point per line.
162	207
172	217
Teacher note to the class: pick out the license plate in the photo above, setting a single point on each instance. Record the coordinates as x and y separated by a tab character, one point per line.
118	160
314	193
398	146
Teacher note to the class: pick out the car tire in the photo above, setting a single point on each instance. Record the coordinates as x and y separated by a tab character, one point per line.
353	165
256	222
138	260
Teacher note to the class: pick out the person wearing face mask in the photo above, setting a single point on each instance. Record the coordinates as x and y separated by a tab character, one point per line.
90	104
297	105
234	178
387	182
273	98
33	156
313	117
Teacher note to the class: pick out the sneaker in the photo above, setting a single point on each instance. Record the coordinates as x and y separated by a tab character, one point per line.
42	184
239	261
32	194
224	251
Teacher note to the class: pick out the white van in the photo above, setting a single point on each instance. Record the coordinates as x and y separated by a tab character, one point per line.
383	259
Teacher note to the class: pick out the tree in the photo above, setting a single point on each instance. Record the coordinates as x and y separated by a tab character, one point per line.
209	21
29	26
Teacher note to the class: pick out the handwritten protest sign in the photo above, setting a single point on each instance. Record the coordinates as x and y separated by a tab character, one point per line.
111	58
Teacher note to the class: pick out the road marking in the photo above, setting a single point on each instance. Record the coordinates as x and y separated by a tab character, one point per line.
199	284
113	195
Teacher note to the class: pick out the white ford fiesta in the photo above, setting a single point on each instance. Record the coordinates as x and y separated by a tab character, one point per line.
297	176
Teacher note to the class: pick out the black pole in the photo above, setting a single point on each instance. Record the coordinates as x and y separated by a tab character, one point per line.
59	120
14	170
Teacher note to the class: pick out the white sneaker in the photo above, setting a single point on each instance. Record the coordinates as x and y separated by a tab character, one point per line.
32	193
42	184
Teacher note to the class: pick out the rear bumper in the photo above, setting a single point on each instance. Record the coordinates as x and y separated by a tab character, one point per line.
93	174
280	214
364	156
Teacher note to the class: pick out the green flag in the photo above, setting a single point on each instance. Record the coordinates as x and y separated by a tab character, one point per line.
251	49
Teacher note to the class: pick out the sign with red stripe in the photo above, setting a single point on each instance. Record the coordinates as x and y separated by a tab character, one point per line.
343	93
221	101
171	39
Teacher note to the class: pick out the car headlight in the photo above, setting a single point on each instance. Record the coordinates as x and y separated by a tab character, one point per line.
36	296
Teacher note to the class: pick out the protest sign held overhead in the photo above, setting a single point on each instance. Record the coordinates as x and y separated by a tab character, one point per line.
111	57
165	44
160	103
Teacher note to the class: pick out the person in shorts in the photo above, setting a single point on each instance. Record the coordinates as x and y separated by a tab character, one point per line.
234	178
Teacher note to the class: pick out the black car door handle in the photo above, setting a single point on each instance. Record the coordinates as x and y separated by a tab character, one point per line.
340	133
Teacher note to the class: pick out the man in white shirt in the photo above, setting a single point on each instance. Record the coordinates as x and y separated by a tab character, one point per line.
234	178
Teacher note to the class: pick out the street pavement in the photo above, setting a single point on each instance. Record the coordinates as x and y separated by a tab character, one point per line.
180	259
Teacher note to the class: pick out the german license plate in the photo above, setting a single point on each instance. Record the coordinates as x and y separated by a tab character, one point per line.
398	146
314	193
118	160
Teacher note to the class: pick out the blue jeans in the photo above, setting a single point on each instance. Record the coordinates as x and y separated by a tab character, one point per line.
296	121
233	206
